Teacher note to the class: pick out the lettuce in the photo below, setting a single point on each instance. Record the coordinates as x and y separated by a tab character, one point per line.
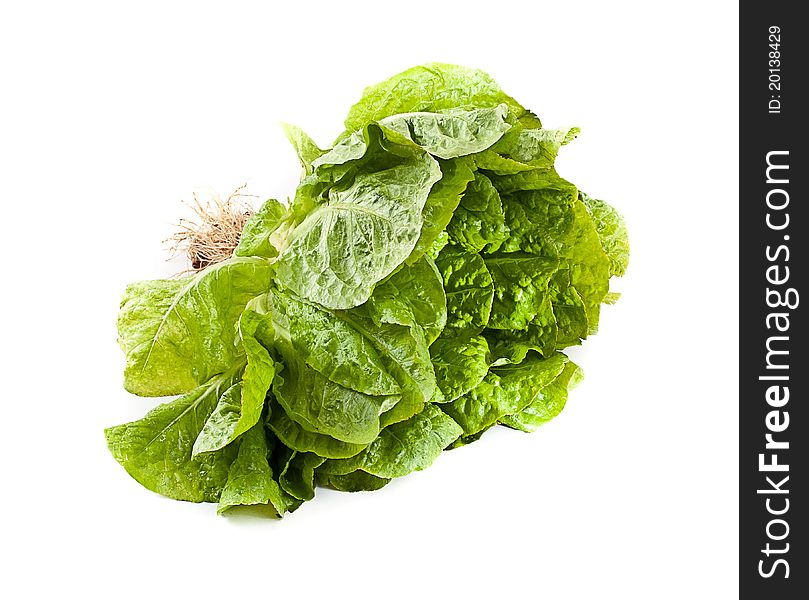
417	291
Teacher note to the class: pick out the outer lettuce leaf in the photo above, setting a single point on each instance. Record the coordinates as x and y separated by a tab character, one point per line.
479	223
405	353
522	150
571	322
452	134
444	198
504	391
156	450
589	267
329	344
412	296
460	362
402	448
327	340
468	287
403	348
363	228
219	429
611	231
549	220
178	333
250	479
306	149
357	481
520	284
258	238
296	437
240	408
549	402
298	472
368	150
260	369
433	87
322	406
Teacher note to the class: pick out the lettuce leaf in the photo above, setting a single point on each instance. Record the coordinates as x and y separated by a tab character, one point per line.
322	406
363	229
520	283
356	481
412	296
250	478
460	362
454	133
258	238
548	403
306	149
441	203
329	344
179	333
157	450
479	223
468	287
522	150
402	448
292	435
611	231
432	87
241	406
297	476
504	391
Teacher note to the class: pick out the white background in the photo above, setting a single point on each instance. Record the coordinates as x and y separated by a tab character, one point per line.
113	114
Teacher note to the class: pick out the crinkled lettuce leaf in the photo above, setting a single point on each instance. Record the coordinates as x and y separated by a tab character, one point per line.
522	150
460	362
504	391
402	448
549	220
433	87
294	436
356	481
611	231
412	296
322	406
520	284
363	227
329	344
479	223
391	372
548	403
468	287
454	133
439	208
